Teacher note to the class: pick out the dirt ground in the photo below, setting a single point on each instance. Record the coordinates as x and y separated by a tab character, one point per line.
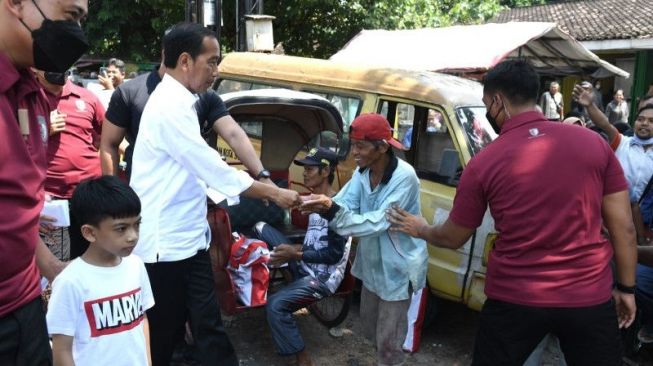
447	342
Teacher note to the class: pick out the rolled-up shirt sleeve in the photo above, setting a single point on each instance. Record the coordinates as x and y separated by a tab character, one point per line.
185	145
347	221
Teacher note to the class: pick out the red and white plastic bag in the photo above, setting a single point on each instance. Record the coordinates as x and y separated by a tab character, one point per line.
249	273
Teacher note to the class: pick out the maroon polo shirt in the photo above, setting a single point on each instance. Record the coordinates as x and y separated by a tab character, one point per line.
72	153
544	183
22	173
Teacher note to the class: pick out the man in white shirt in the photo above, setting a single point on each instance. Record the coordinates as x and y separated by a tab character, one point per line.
172	167
551	102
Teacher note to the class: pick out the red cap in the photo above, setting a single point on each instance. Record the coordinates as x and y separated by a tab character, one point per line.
373	127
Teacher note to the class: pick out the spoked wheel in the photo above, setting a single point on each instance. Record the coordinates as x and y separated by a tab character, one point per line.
332	310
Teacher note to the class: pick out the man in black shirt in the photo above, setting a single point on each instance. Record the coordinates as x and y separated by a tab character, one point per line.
124	114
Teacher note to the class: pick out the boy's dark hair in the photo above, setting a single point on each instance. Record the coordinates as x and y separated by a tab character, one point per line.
184	37
516	79
105	197
118	63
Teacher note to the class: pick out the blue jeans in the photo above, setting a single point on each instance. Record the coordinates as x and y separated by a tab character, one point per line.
301	292
644	294
281	305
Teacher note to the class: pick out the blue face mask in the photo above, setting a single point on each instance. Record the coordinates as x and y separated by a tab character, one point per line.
57	44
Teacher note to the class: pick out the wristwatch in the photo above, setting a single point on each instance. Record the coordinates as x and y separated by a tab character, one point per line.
263	174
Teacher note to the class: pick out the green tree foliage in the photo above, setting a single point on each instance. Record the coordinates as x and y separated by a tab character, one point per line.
317	28
131	29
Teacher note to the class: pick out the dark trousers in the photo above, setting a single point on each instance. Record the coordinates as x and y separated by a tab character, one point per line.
508	333
24	337
184	290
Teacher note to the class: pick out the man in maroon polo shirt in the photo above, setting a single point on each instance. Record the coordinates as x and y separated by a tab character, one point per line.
549	187
72	153
47	35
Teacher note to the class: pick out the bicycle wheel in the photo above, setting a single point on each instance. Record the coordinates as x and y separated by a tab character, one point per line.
332	310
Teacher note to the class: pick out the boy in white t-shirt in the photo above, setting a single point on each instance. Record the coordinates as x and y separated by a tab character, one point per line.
96	315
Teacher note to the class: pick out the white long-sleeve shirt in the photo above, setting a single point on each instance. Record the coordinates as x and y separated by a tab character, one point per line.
172	166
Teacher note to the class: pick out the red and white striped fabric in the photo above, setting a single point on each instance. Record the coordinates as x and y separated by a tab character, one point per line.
249	273
415	315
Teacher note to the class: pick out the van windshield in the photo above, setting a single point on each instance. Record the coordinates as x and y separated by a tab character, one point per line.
477	129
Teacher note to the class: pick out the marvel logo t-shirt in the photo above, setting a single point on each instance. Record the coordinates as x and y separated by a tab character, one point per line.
103	308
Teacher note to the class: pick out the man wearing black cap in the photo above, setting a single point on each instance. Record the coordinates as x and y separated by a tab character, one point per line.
317	266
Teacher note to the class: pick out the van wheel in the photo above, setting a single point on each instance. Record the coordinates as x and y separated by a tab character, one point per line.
332	310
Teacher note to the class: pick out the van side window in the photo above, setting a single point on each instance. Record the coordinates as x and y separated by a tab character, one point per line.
423	131
346	105
436	158
228	86
348	108
477	128
402	119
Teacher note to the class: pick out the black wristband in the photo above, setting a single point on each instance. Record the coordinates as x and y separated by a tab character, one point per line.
625	289
331	212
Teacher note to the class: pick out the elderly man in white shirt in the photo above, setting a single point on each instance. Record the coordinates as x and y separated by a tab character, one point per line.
172	167
551	102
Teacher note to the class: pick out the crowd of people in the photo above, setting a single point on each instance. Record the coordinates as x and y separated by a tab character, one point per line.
132	269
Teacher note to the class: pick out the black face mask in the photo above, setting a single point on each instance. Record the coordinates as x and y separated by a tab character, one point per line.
57	44
55	78
493	120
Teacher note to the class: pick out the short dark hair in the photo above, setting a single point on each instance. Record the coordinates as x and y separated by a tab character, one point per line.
377	144
184	37
101	198
118	63
516	79
332	171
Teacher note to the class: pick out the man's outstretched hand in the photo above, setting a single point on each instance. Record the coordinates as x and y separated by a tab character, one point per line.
319	203
287	198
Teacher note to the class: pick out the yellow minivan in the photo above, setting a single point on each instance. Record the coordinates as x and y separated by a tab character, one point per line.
439	118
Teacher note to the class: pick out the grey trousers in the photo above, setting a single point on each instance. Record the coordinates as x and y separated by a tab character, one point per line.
385	324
